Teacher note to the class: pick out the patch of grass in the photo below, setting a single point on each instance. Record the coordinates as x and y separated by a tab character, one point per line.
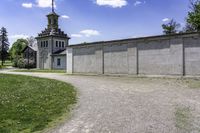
7	63
183	117
1	67
192	83
40	71
29	104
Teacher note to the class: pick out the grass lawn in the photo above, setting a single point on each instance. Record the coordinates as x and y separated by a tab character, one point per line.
40	70
29	104
7	63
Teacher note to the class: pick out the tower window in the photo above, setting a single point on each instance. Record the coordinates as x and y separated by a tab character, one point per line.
63	44
46	43
49	21
56	43
59	43
41	44
58	62
55	21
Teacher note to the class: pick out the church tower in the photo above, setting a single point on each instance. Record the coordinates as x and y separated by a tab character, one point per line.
52	43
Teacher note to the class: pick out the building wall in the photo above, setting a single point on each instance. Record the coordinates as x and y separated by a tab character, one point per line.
161	55
44	54
62	65
44	60
192	55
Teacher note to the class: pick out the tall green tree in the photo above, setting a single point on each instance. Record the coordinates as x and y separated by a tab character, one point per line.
171	27
17	48
4	45
193	18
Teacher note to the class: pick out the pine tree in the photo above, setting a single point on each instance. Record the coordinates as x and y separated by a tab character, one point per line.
4	45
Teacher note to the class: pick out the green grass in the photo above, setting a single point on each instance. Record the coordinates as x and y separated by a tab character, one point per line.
193	83
7	63
29	104
183	118
40	71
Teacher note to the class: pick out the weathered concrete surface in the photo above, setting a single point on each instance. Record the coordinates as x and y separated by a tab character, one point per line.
164	55
129	105
192	56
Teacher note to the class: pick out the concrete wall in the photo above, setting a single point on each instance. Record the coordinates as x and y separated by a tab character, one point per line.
62	61
159	55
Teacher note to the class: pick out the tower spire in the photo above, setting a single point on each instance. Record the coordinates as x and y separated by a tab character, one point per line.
52	5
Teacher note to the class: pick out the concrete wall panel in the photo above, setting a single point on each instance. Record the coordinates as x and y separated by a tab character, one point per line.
115	59
192	56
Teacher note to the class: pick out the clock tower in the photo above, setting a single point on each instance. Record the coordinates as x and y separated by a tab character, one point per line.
51	43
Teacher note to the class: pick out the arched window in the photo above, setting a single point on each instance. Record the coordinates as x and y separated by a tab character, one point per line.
55	21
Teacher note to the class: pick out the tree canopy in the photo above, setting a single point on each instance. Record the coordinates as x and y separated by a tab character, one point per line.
18	47
171	27
193	18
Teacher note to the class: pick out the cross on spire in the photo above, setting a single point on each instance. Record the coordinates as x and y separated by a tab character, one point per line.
52	5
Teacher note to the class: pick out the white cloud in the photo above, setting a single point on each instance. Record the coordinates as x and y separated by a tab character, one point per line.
44	3
76	35
27	5
13	38
90	32
86	33
65	16
166	19
19	36
112	3
137	3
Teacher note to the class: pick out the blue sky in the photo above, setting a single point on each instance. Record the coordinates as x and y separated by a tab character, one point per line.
92	20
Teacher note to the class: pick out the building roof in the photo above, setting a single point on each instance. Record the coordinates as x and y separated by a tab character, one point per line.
135	39
55	32
60	52
33	48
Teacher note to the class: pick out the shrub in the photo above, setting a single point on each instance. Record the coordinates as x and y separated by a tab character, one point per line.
14	62
21	63
30	64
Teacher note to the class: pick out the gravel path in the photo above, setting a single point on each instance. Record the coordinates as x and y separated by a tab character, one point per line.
130	105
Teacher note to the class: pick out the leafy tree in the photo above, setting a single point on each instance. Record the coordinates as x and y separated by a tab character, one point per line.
4	45
17	48
193	18
171	27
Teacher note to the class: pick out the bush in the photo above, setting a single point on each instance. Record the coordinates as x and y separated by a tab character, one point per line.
21	63
30	64
14	62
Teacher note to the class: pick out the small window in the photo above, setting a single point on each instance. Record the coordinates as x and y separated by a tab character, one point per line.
58	62
41	44
49	21
55	21
59	43
63	44
56	43
46	43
